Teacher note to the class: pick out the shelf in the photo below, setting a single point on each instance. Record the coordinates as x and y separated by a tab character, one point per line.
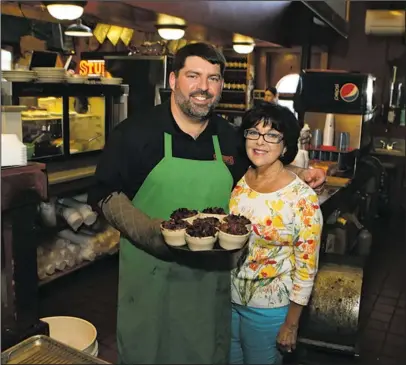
69	175
230	111
59	274
235	70
330	149
234	91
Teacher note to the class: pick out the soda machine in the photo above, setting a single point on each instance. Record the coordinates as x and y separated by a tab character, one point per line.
342	102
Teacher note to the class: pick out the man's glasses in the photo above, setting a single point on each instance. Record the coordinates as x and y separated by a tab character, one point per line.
273	138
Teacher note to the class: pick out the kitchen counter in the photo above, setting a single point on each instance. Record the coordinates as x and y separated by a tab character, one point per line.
339	198
71	176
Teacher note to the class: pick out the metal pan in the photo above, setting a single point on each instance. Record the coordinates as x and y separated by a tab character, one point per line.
44	350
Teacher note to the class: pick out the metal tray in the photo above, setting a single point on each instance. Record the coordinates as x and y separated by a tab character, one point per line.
44	350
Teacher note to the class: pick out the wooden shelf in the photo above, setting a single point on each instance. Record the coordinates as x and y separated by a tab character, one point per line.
69	175
234	91
235	70
330	149
230	111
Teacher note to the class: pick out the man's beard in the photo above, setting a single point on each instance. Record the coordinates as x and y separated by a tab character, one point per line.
192	110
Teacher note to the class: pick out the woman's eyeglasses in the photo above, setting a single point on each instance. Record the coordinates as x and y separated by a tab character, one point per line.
273	138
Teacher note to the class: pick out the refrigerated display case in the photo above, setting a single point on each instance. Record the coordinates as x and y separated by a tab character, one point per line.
65	120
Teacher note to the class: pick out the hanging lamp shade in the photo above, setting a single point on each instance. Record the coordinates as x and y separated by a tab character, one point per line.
65	10
171	31
78	30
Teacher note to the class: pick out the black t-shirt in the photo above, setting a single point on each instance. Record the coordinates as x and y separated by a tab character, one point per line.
136	146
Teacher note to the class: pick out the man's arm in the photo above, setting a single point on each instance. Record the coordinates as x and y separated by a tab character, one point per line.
133	224
112	197
315	178
296	170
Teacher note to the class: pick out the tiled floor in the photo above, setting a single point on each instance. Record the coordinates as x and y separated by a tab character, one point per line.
92	293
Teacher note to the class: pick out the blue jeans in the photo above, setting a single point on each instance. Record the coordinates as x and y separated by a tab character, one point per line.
253	334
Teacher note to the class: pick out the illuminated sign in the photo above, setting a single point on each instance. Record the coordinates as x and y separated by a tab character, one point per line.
91	68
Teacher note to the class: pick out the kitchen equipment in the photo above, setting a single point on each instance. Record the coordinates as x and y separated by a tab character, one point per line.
317	138
61	130
343	141
145	75
72	331
328	132
44	350
335	92
364	242
331	318
350	97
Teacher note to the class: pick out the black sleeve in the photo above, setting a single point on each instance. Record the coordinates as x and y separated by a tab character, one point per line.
112	171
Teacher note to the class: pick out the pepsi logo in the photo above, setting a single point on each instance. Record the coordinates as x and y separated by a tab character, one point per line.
349	92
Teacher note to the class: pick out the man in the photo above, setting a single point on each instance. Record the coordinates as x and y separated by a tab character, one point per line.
271	95
179	154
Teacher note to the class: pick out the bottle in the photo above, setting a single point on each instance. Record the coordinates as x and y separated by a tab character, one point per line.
364	243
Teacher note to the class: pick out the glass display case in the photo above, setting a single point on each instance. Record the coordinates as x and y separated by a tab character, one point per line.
65	120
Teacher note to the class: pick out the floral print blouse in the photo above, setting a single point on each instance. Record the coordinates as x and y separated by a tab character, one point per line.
283	248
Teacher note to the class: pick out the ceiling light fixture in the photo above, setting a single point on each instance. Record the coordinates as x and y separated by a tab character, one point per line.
171	31
78	30
243	47
65	10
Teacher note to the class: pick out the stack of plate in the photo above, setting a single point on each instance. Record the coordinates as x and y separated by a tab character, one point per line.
76	79
111	80
19	75
50	74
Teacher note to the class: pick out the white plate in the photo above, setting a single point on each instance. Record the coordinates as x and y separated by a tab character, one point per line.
60	69
18	79
50	81
51	77
18	73
75	80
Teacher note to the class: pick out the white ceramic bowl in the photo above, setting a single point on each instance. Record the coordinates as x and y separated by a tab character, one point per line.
192	218
174	237
201	243
231	241
72	331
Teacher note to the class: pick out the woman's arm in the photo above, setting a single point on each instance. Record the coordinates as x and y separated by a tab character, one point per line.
309	221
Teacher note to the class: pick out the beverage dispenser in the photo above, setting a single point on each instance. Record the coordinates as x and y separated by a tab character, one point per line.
338	107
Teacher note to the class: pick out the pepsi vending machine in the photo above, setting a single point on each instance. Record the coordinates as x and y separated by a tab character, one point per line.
335	92
350	97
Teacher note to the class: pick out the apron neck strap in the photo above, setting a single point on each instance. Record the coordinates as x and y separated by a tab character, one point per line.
217	149
168	145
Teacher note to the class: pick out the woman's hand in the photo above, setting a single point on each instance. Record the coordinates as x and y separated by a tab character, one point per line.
287	337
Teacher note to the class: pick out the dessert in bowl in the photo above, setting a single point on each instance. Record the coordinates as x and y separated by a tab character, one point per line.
174	231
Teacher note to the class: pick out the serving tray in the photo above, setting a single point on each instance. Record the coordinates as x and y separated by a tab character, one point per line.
44	350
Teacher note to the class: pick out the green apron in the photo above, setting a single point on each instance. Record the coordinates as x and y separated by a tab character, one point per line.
167	312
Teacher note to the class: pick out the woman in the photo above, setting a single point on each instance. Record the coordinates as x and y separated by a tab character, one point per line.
271	95
274	283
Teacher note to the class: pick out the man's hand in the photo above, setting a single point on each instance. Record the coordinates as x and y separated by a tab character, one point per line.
315	178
